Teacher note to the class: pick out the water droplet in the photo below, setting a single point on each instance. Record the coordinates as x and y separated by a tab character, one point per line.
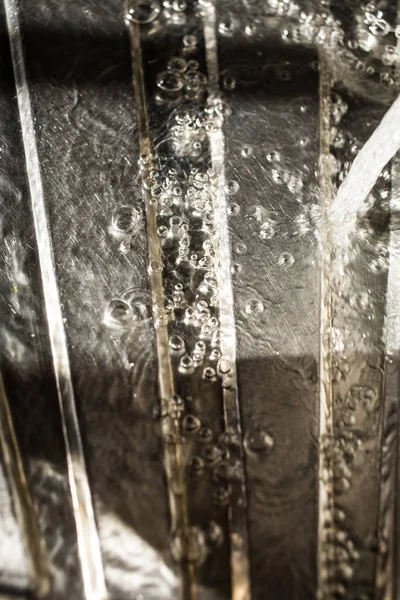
224	366
176	343
205	435
226	27
240	249
193	65
209	374
162	231
200	347
229	82
186	365
155	266
190	41
179	5
191	424
170	81
143	11
177	64
254	306
124	220
234	209
250	29
215	354
258	440
118	313
273	157
236	268
247	151
286	259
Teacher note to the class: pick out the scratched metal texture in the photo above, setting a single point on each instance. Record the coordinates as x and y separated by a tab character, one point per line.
79	75
275	109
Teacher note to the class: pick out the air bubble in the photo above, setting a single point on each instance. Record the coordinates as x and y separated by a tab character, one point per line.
196	465
250	29
286	259
118	313
125	246
155	266
209	374
176	343
240	249
191	424
170	81
273	157
215	354
177	64
205	435
190	41
124	220
224	366
200	346
258	440
229	82
226	27
143	11
193	65
254	307
247	151
186	365
179	5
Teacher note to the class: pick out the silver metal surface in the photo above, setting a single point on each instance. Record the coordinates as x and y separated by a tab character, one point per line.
166	278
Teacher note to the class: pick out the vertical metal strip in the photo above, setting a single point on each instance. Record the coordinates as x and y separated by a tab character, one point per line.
88	541
170	427
239	542
387	568
388	533
325	500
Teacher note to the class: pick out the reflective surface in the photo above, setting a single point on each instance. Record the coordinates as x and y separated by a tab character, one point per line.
235	381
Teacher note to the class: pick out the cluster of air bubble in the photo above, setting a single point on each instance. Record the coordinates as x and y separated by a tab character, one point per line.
340	556
368	248
364	43
182	188
182	80
129	307
356	354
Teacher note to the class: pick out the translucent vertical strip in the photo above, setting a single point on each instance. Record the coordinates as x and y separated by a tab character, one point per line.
171	429
88	541
325	499
387	570
239	543
387	567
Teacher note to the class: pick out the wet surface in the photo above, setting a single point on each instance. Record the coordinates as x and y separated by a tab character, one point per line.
185	212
